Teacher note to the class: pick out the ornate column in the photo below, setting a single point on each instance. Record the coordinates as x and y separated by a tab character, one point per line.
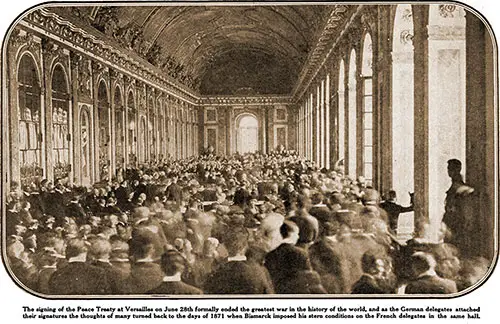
76	137
421	113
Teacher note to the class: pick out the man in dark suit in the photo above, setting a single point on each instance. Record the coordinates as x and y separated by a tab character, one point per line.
145	274
393	209
237	275
122	194
308	225
144	225
173	264
100	249
326	259
174	192
75	210
426	280
319	209
278	261
78	277
373	266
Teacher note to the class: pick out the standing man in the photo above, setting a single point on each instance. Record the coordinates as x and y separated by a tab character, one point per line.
393	209
459	206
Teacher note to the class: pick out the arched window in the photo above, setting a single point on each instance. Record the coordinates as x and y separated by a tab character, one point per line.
119	134
402	104
30	119
352	108
341	117
60	124
366	74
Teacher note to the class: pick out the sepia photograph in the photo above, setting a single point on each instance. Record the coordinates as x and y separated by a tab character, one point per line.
249	150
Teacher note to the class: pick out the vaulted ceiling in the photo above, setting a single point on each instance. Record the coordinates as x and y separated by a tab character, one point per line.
227	49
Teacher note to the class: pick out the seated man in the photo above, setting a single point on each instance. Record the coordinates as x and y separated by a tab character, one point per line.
426	280
237	275
173	264
372	281
145	273
279	262
100	250
78	277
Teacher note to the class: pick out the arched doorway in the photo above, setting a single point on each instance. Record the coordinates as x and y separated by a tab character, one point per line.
247	134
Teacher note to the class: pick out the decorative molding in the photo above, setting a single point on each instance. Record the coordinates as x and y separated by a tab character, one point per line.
84	76
57	27
407	16
51	50
406	37
338	25
447	10
245	101
20	38
369	17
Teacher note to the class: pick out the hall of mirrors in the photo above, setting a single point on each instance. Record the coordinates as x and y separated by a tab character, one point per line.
385	93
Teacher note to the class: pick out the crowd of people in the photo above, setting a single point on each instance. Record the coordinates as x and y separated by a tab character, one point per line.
243	224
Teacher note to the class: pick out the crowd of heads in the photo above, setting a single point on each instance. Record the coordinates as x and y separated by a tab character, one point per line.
306	230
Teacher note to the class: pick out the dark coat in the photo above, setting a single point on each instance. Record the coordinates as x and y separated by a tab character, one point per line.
114	275
431	285
393	210
174	193
308	228
144	276
175	288
302	282
43	280
367	285
151	230
74	209
349	250
326	261
122	195
37	206
239	277
56	206
79	278
283	261
322	213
